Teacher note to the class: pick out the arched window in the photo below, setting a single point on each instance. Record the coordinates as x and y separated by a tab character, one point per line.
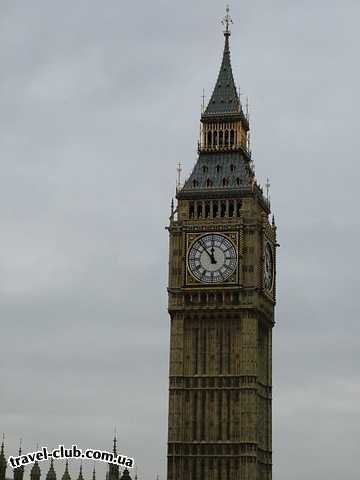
232	167
205	169
208	182
221	137
231	208
238	181
207	209
223	209
209	139
199	210
238	208
218	168
191	210
195	183
226	138
225	182
215	209
215	138
232	137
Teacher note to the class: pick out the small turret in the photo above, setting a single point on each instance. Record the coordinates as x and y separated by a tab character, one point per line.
114	473
51	474
66	474
19	471
125	475
2	461
35	472
80	477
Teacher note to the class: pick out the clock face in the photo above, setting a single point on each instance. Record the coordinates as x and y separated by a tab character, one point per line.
212	258
268	268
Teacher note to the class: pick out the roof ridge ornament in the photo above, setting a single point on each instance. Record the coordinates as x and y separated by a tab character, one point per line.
226	21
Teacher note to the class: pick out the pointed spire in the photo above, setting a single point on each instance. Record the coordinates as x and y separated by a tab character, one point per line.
225	98
80	477
113	473
115	441
19	471
66	474
51	474
125	475
2	454
3	463
35	472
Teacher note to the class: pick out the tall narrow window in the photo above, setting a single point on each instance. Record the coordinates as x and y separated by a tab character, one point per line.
191	210
232	137
207	209
231	208
215	138
209	139
223	209
238	208
226	138
221	138
215	209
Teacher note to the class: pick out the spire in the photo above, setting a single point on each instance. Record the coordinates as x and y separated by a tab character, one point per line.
115	443
66	475
125	475
2	460
225	98
19	471
80	477
94	474
113	468
51	474
35	472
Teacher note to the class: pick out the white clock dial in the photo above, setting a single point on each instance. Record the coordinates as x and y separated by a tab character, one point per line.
268	268
212	258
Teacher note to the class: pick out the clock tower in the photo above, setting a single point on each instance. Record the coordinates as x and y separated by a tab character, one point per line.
221	303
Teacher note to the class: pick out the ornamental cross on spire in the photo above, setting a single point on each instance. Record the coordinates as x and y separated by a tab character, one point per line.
227	20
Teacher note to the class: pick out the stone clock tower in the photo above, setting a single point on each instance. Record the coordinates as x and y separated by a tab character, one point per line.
221	303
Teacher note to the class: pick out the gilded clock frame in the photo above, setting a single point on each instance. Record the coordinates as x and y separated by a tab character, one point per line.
191	238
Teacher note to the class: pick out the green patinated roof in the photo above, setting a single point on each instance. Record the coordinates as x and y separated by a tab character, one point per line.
225	98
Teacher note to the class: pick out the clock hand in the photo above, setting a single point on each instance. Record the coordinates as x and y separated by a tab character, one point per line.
213	261
211	255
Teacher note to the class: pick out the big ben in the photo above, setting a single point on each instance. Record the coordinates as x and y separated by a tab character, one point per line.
221	303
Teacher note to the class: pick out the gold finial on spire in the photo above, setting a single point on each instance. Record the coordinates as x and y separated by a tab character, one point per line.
179	170
203	101
226	21
267	185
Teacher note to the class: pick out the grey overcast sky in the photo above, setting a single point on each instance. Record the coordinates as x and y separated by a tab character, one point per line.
99	101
